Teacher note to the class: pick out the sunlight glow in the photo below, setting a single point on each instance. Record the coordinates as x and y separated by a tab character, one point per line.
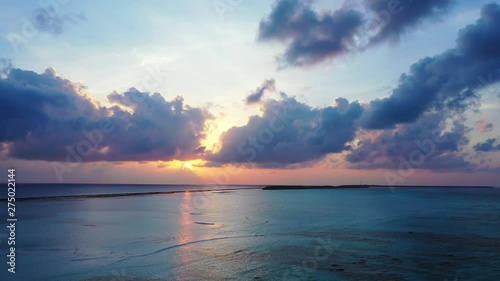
187	165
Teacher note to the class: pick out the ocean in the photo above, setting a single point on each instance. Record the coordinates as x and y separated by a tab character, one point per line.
245	233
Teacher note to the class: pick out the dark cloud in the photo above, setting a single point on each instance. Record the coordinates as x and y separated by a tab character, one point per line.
425	144
429	96
448	81
488	145
394	18
312	37
157	129
50	20
288	132
256	96
46	117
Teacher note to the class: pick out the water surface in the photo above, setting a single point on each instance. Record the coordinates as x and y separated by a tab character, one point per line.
344	234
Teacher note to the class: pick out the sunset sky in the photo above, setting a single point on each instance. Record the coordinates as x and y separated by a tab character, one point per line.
251	92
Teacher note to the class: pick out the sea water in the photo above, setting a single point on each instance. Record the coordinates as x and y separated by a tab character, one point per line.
342	234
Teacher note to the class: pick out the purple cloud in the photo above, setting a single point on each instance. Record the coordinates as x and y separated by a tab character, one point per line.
46	117
314	37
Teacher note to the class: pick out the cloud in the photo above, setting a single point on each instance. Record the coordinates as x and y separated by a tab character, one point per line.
425	144
488	145
46	117
288	132
313	37
432	94
256	96
484	126
310	37
395	18
448	81
51	21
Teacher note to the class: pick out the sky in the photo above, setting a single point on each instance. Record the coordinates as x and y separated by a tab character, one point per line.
251	92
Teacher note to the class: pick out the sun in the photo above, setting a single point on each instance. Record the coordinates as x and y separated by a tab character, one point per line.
187	165
193	165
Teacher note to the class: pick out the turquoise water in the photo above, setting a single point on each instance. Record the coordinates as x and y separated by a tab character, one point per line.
344	234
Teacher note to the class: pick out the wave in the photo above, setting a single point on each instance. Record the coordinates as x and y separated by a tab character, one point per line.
188	243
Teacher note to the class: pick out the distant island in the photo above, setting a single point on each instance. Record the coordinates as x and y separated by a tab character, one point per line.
287	187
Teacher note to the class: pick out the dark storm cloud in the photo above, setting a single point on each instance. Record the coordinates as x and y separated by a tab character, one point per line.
312	37
46	117
425	144
448	81
394	18
288	132
488	145
256	96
